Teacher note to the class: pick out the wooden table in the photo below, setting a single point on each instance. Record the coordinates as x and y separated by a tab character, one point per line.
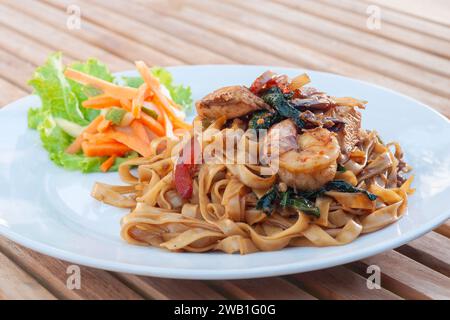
409	52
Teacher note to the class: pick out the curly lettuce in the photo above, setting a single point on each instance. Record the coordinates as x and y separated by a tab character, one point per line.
62	99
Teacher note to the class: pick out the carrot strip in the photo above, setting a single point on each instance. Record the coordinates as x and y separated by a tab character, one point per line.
153	84
153	125
133	142
161	112
139	101
108	88
150	105
168	126
104	125
139	130
91	128
100	102
148	121
98	137
126	104
108	163
104	149
165	103
151	135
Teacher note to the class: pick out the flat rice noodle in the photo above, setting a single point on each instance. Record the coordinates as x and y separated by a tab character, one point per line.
235	244
316	236
352	200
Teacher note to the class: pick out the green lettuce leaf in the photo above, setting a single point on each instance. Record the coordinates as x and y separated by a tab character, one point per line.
84	164
179	93
56	92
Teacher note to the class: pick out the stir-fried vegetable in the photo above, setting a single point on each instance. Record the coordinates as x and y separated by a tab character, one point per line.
342	186
264	119
276	99
274	198
303	200
303	205
269	201
337	185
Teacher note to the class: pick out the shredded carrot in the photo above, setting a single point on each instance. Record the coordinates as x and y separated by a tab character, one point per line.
151	135
153	84
91	128
108	163
139	130
98	137
168	126
108	88
103	138
126	104
151	105
152	124
104	125
104	149
132	141
139	101
157	106
100	102
148	121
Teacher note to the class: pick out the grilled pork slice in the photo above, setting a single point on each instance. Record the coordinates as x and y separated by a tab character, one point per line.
231	102
349	136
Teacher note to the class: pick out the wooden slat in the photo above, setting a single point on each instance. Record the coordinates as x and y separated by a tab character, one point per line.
251	36
340	283
437	12
25	48
262	289
56	39
432	250
205	38
95	284
347	43
109	41
17	284
399	41
164	289
430	29
9	92
406	277
315	60
15	70
141	33
444	229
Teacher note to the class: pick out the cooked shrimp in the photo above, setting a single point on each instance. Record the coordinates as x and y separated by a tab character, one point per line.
314	164
281	138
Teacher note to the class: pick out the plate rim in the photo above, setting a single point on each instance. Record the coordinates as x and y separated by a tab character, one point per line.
228	274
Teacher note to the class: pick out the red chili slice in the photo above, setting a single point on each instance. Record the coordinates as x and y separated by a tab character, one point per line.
184	183
184	170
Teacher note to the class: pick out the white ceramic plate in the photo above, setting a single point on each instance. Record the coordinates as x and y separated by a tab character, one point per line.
50	210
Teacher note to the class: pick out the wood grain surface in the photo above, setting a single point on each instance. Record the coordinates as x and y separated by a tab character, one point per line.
410	53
